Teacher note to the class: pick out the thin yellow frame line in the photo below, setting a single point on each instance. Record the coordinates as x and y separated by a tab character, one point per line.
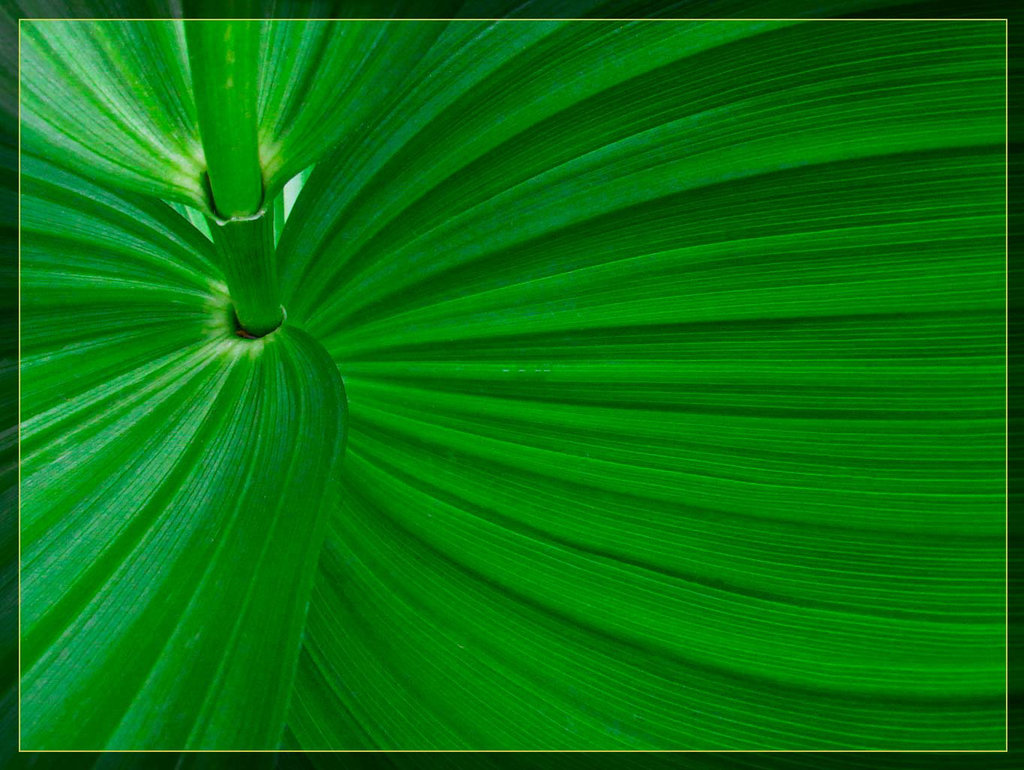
513	751
19	386
548	751
528	18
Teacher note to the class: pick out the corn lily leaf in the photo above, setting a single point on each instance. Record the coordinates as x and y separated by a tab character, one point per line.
174	483
676	391
115	100
673	390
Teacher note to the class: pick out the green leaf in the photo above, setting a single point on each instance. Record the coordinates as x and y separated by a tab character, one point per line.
322	80
175	480
673	359
113	100
676	394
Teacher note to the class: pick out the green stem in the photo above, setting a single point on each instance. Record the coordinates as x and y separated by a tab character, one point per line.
246	252
223	55
223	58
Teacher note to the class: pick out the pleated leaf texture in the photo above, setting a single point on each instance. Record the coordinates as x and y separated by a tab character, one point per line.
641	386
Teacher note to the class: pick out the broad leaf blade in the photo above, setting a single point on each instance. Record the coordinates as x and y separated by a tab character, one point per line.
112	100
676	407
661	440
174	485
322	79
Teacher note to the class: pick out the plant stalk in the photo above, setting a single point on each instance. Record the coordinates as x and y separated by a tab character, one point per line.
223	55
245	249
223	58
